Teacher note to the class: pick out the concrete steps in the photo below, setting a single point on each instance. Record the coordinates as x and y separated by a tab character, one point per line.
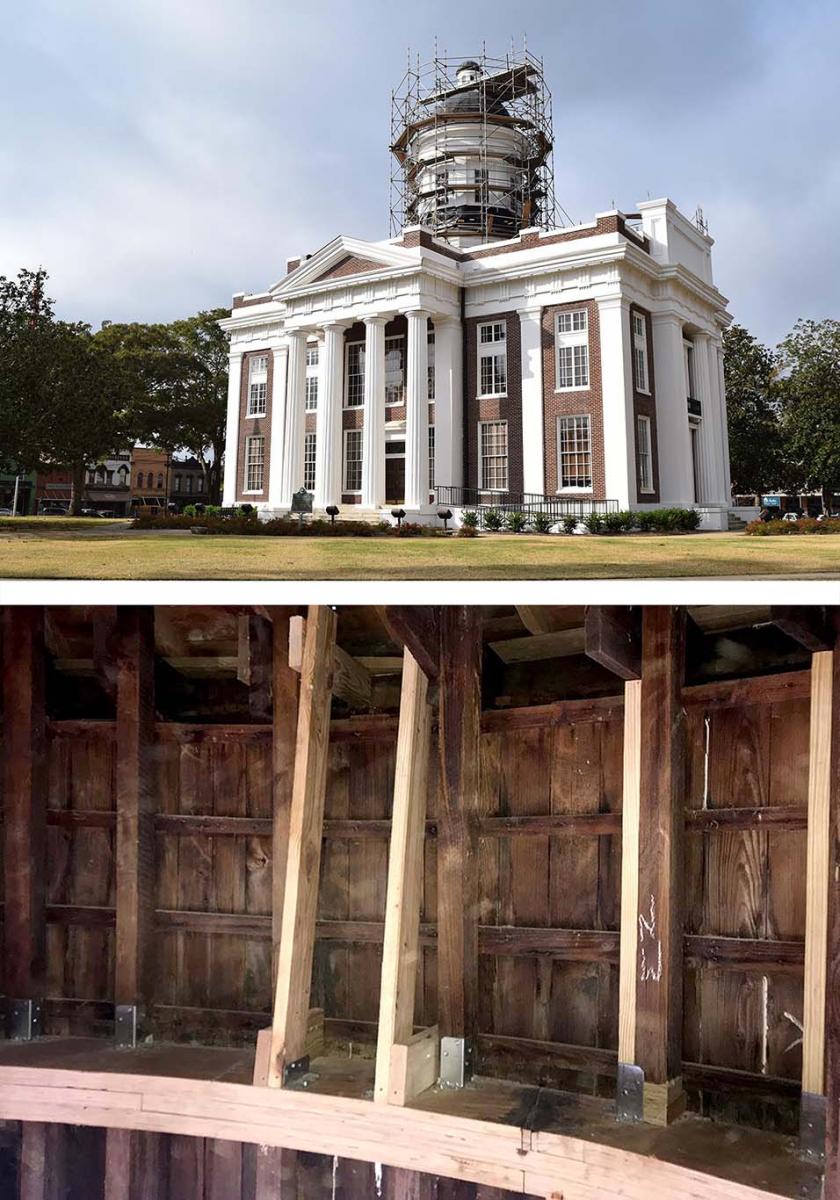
735	524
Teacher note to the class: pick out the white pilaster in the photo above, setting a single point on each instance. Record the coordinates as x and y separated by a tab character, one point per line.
417	411
373	437
533	424
711	492
718	378
617	400
449	402
232	428
295	418
676	472
278	426
328	424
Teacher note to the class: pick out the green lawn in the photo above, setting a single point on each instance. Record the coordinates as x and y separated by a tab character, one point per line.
90	549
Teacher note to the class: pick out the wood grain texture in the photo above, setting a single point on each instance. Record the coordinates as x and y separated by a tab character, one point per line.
418	629
294	970
285	683
630	813
832	1016
350	681
614	639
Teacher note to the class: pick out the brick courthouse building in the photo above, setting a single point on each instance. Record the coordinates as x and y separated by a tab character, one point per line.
484	354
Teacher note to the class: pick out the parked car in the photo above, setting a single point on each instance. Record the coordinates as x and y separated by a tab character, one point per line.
6	512
53	510
791	516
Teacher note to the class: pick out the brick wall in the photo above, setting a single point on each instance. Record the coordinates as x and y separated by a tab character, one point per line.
254	427
573	404
507	408
644	405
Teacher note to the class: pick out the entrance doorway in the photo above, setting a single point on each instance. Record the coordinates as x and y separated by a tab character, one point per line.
394	472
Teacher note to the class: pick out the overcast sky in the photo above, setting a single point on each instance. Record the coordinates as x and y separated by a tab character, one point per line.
158	155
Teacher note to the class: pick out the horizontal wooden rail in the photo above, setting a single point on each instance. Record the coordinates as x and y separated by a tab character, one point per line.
707	820
746	954
757	689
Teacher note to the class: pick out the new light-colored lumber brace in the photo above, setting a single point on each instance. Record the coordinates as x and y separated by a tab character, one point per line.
629	873
350	680
832	1009
290	1036
812	1114
405	1064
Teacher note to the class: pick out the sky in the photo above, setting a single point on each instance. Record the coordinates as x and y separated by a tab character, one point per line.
157	156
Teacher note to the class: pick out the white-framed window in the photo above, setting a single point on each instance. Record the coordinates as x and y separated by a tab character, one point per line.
190	483
493	456
430	350
352	460
690	374
309	444
254	463
572	350
643	442
574	443
640	358
177	483
311	378
395	370
481	179
492	359
257	385
431	457
354	374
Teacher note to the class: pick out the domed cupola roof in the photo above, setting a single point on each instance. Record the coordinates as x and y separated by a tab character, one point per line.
470	102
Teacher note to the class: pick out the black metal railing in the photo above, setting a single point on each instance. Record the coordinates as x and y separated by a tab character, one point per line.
528	503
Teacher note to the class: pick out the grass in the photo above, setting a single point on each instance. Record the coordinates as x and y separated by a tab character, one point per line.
39	548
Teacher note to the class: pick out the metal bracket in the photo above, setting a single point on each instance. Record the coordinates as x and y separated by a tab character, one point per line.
630	1093
24	1020
812	1126
294	1072
128	1021
455	1062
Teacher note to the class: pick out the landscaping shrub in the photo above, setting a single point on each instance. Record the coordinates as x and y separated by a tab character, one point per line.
618	522
793	528
593	522
515	522
493	520
469	519
667	520
542	522
570	524
250	524
467	531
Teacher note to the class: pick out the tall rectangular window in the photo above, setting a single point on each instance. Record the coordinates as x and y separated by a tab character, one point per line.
430	349
431	457
572	350
352	460
395	370
311	378
354	373
257	385
309	461
493	456
640	359
690	374
254	463
643	442
492	359
575	452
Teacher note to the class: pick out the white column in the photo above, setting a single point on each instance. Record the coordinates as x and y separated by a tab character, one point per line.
328	423
617	401
232	428
676	472
417	411
295	418
718	378
449	402
278	426
373	437
533	424
712	488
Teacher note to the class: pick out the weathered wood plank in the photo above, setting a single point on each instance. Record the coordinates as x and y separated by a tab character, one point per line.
707	820
629	871
25	802
405	879
806	624
120	1154
418	629
135	640
254	667
613	638
285	690
756	689
350	681
458	752
832	1015
294	960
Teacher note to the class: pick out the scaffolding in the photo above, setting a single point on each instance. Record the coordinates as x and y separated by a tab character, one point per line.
499	180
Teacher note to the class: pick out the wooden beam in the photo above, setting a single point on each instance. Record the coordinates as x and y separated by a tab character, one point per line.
563	644
832	1014
459	733
285	687
405	892
806	624
350	681
756	689
629	872
418	630
135	849
120	1152
255	663
708	820
275	1174
548	618
614	639
25	803
104	659
303	863
659	984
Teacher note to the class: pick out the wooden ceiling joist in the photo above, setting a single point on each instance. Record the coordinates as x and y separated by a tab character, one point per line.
350	681
418	629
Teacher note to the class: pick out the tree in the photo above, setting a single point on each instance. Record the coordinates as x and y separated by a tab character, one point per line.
26	315
809	390
755	448
182	375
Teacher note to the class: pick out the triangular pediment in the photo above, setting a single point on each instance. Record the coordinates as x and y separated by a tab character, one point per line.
345	258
